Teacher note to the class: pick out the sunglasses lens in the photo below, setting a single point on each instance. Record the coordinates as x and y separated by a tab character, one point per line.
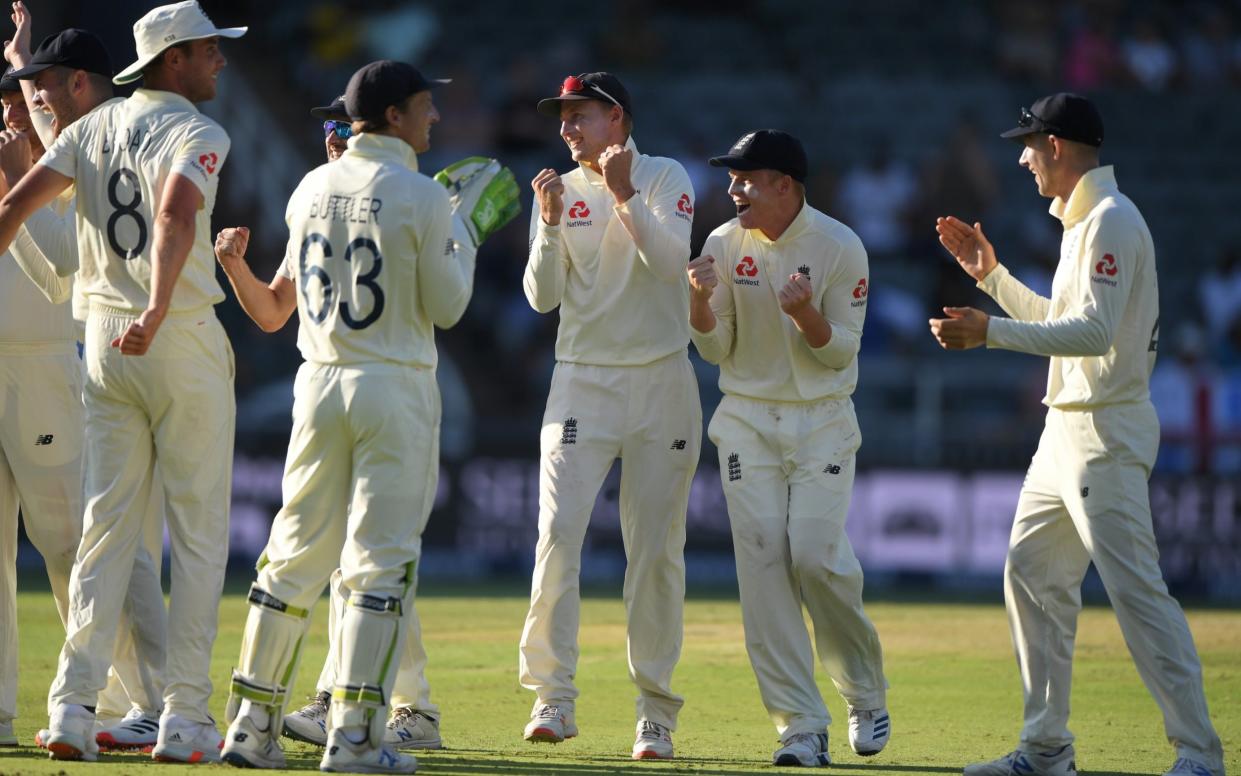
341	129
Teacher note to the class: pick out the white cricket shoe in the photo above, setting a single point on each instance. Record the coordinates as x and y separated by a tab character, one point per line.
654	741
6	734
1187	767
136	730
869	730
1025	763
344	756
309	723
550	725
245	746
808	750
411	729
183	740
71	733
40	738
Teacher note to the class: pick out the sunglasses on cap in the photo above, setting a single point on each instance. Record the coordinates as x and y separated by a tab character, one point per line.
342	129
1029	118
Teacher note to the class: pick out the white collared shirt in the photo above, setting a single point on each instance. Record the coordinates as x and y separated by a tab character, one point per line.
761	353
371	251
120	156
1101	325
617	272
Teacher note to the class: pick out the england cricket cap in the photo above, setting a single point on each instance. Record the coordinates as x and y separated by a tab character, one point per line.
1065	115
333	112
8	83
72	48
380	84
766	149
167	26
604	87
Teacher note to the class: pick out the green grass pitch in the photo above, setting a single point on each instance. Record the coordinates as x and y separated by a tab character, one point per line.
954	698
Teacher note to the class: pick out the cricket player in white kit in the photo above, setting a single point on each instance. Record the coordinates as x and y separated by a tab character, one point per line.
1085	497
608	245
375	261
40	435
146	171
415	721
66	77
782	316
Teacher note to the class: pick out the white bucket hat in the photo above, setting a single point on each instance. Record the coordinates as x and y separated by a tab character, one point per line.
167	26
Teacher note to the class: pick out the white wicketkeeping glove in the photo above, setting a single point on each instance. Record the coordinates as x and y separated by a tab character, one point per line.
484	196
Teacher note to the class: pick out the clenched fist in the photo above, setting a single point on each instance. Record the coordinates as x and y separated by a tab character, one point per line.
549	193
795	295
702	277
616	162
14	156
231	244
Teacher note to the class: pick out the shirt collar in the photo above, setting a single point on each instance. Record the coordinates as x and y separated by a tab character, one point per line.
166	97
597	178
1091	188
796	227
371	145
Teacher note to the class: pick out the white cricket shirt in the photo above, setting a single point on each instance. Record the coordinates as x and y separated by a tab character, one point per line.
120	155
371	252
1101	325
617	272
761	353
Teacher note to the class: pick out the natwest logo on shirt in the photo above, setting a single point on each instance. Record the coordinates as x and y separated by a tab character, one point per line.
860	292
685	208
1105	268
747	269
209	161
578	213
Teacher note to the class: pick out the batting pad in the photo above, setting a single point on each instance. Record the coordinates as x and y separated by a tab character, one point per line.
270	649
370	641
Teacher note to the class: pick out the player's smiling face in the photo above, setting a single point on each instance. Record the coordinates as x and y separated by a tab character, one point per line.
588	127
16	114
52	95
755	193
1037	157
203	63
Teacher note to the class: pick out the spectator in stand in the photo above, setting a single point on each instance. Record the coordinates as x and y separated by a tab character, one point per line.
1026	45
1219	295
1149	58
1092	60
1206	49
875	200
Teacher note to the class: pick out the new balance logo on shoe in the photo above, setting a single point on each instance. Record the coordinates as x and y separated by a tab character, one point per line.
568	435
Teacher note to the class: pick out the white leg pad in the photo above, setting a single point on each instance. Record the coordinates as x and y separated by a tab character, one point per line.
270	649
371	640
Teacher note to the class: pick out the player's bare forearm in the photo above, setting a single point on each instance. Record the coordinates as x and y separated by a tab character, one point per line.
39	187
813	326
268	305
174	236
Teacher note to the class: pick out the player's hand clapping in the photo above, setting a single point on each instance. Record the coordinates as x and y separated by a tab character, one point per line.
14	156
968	245
549	193
616	161
795	295
964	328
702	277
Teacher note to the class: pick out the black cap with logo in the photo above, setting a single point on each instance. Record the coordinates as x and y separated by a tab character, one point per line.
333	112
72	48
604	87
1065	115
766	149
8	83
380	84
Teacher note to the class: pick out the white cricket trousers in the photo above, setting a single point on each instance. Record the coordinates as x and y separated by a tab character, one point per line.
649	416
411	688
359	481
1086	499
40	472
173	405
787	471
